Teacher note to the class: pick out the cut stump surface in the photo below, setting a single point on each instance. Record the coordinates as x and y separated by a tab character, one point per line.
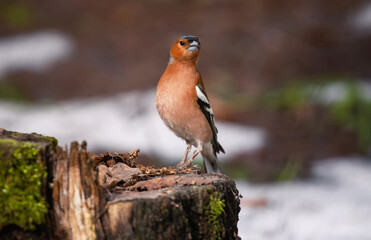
111	197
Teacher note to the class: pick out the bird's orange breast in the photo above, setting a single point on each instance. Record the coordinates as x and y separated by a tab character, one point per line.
176	102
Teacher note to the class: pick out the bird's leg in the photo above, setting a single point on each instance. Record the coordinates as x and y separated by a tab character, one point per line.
188	149
195	153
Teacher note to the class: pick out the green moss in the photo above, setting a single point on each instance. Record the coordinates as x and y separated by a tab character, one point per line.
213	213
34	136
21	177
51	140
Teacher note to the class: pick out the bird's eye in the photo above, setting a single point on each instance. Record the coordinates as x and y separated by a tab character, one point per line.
181	43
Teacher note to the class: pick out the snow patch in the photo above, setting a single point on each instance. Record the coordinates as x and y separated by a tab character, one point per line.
33	52
362	19
333	205
120	123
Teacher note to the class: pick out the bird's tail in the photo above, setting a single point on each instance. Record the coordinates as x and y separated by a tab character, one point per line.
211	162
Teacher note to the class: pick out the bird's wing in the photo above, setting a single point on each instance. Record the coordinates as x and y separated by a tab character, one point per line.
204	104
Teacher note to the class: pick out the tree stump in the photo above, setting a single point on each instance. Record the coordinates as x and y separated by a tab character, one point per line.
86	196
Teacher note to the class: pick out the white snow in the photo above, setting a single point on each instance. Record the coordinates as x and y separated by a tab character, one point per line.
121	123
33	52
362	19
334	205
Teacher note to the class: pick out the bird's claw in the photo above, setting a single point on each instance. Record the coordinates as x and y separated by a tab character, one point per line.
184	166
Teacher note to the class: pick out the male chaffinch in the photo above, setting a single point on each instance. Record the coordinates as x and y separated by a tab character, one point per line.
183	105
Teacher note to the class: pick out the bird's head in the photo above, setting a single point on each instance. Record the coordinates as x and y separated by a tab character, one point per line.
187	47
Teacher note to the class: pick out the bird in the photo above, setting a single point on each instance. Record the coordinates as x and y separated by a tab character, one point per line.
184	107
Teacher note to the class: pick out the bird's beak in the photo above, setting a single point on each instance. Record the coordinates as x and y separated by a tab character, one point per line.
194	46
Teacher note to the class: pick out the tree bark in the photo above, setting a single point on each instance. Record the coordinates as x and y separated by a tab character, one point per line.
111	197
172	207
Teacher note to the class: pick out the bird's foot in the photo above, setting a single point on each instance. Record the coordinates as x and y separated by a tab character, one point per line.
182	166
187	165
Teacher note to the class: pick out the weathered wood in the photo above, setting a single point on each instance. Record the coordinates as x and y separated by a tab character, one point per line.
131	201
76	196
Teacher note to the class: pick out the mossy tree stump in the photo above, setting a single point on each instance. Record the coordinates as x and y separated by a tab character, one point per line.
78	195
24	175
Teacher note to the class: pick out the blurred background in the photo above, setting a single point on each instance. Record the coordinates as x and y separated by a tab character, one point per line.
289	82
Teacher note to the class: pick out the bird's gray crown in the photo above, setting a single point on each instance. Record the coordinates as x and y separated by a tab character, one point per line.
190	38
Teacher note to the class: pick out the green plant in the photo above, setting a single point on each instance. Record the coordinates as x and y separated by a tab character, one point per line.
353	112
16	15
21	177
10	92
213	212
237	172
290	97
290	170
